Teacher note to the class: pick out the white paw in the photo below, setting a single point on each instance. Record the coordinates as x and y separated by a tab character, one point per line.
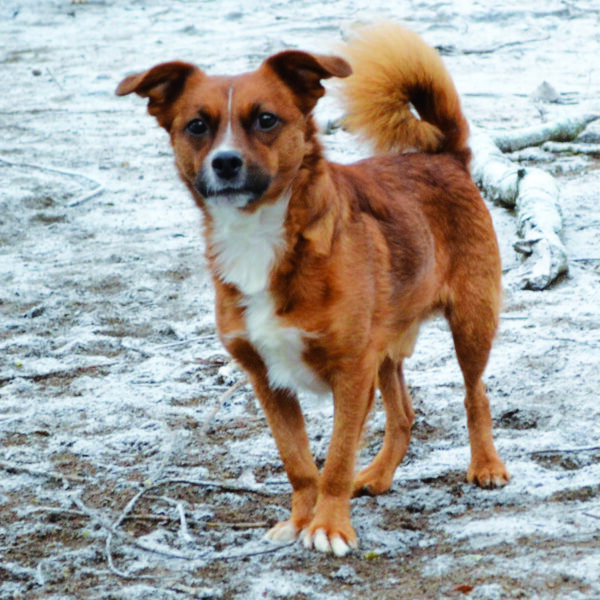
282	533
321	542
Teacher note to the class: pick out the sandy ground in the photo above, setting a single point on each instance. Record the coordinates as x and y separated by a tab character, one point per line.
110	367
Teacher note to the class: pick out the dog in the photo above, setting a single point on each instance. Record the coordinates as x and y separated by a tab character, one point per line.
323	272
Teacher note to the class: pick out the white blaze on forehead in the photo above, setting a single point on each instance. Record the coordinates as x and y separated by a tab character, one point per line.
225	144
227	141
228	132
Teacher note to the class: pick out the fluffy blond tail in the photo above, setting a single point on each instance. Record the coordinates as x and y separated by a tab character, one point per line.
393	68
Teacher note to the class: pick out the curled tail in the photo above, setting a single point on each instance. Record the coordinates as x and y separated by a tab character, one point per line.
394	69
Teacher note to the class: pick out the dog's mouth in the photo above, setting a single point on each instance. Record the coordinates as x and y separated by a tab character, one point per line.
241	195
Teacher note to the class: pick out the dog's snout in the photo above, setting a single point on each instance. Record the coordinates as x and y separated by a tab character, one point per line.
227	164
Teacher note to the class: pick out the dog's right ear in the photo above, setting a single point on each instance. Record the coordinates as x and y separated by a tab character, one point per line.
162	85
302	73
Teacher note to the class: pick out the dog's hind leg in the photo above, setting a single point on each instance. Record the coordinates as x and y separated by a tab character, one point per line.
377	477
473	317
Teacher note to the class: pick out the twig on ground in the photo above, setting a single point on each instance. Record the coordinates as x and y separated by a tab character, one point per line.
209	483
166	459
224	397
192	592
195	557
144	353
39	574
112	529
155	548
244	555
57	510
201	434
152	352
155	482
73	372
83	198
235	525
454	50
193	340
78	514
51	73
184	532
59	477
565	450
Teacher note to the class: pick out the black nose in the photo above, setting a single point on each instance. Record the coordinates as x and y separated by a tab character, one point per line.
227	164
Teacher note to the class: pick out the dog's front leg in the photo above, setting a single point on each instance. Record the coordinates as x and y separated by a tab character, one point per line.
331	530
287	425
285	419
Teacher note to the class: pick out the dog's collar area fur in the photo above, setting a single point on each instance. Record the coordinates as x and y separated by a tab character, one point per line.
245	245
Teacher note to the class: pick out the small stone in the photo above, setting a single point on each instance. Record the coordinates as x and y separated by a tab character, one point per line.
545	93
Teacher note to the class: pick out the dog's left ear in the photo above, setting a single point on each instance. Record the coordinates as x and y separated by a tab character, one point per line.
302	73
161	84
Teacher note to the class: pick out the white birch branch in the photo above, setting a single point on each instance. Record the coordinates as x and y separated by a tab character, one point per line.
496	174
571	148
539	223
562	130
535	196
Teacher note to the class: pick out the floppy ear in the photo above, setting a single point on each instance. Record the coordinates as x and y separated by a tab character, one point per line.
162	85
302	73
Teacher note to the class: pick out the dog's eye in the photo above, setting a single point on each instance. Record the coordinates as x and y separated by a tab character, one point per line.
266	121
197	127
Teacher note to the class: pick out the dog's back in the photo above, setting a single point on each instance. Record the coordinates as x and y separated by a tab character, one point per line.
417	187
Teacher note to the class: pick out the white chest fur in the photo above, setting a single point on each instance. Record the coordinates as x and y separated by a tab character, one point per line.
246	247
281	347
246	244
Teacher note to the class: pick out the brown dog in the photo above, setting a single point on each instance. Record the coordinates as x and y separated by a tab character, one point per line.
323	272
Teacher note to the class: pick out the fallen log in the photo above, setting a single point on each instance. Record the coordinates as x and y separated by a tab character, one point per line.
496	174
561	130
535	196
539	223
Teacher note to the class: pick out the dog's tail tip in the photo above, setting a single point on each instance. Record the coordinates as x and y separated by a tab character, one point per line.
400	95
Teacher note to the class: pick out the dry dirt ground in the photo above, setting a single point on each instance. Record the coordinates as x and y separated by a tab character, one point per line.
112	485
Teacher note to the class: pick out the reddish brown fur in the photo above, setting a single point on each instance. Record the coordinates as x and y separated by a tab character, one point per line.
371	249
394	69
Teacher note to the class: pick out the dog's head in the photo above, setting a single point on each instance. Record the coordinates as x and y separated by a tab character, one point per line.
238	140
